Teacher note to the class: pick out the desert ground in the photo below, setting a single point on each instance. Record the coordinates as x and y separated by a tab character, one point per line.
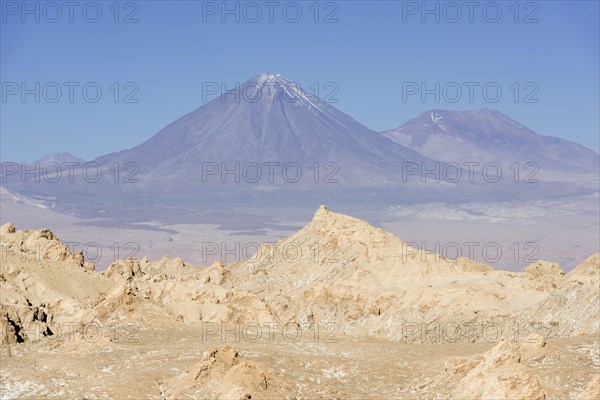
339	309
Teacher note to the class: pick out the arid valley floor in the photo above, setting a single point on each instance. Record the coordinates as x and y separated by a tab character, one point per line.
340	309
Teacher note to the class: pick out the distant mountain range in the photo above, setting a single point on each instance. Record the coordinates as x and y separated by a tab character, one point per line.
270	137
60	158
489	136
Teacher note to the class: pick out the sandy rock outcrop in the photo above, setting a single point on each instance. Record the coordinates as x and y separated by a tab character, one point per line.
337	270
21	324
588	270
341	270
44	286
592	391
42	295
498	374
573	307
224	374
173	290
39	245
548	274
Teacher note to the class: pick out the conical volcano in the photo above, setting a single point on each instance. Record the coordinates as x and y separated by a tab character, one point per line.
267	128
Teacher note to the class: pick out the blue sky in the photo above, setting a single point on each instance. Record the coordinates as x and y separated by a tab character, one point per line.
371	56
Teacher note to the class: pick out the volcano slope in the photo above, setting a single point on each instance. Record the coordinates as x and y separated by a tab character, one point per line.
340	309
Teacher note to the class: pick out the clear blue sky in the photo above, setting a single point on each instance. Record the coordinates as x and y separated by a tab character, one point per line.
370	54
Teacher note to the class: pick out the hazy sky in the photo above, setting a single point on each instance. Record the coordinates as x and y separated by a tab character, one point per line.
366	55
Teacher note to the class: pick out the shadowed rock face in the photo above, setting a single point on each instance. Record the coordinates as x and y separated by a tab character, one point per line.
486	135
268	119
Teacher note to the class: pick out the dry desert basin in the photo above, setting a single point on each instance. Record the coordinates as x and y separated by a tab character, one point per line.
339	310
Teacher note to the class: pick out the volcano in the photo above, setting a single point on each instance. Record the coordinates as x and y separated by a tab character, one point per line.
485	136
270	126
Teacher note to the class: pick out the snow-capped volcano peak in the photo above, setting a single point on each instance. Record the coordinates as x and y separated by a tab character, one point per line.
276	87
272	82
269	78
